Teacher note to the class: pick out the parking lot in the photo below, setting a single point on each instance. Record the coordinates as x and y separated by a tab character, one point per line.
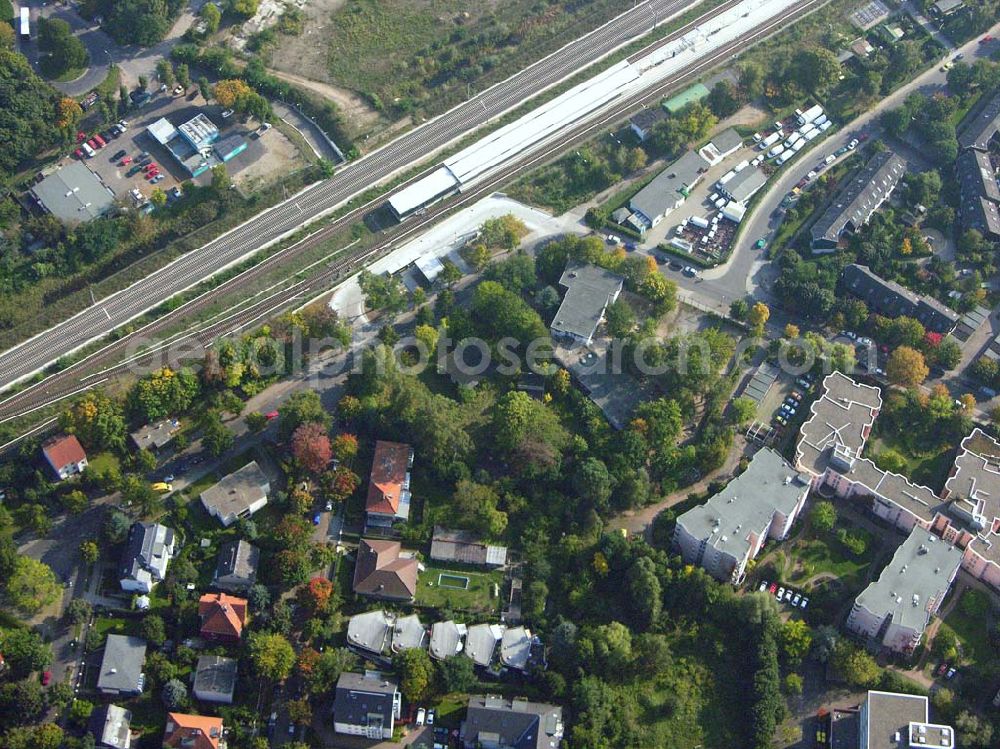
271	154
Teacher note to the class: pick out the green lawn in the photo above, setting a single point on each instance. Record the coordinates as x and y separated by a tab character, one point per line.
929	467
478	597
108	625
104	461
972	631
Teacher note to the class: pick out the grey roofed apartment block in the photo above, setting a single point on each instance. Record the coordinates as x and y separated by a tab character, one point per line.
892	300
236	567
512	724
979	193
981	125
944	7
239	494
360	696
74	194
746	505
215	679
745	184
918	576
446	639
668	188
465	547
858	199
888	714
121	665
481	643
110	726
408	633
589	291
370	631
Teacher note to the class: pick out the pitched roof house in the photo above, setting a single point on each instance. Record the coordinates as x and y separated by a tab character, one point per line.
193	732
236	567
156	435
497	722
65	455
381	572
590	290
370	631
222	616
121	666
238	495
110	725
388	498
366	705
148	550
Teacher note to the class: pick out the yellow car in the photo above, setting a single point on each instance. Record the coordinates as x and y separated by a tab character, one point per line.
161	486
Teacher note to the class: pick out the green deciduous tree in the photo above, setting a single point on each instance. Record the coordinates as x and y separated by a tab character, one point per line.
271	655
32	585
416	673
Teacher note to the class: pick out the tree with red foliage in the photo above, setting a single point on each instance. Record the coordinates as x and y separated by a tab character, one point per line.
932	339
316	595
343	484
306	663
345	447
311	447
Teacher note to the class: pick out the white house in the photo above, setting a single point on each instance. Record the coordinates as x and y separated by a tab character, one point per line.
238	495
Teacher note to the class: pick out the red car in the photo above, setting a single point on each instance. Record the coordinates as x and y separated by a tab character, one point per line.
150	167
271	415
151	175
773	589
986	39
100	141
93	144
126	161
46	678
81	136
78	153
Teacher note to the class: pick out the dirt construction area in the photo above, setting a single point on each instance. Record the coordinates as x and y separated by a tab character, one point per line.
303	60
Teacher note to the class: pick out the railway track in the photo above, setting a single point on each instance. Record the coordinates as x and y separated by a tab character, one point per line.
106	363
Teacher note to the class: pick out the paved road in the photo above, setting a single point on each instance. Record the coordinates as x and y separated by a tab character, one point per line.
311	203
747	272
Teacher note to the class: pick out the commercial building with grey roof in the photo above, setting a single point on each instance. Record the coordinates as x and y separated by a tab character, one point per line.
668	189
492	721
589	291
729	530
895	609
744	184
890	299
73	194
121	666
215	679
857	200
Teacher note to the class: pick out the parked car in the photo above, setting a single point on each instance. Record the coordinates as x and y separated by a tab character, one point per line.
168	478
150	167
430	717
126	161
763	587
788	594
796	395
780	594
773	588
227	114
78	153
761	243
614	239
853	144
951	673
942	668
272	415
690	272
163	487
101	143
805	602
421	715
119	154
796	599
136	168
136	195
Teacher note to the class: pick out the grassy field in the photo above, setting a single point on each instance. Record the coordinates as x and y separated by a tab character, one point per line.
478	597
104	461
930	467
971	628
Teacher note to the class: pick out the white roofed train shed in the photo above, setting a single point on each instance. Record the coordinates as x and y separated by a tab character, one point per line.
595	95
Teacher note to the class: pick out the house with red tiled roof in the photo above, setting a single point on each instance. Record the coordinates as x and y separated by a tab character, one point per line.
382	571
193	732
222	616
65	455
388	499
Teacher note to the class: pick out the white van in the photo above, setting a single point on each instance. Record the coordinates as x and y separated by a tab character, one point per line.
776	151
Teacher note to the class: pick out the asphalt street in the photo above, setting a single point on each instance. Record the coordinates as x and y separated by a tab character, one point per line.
117	309
747	271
